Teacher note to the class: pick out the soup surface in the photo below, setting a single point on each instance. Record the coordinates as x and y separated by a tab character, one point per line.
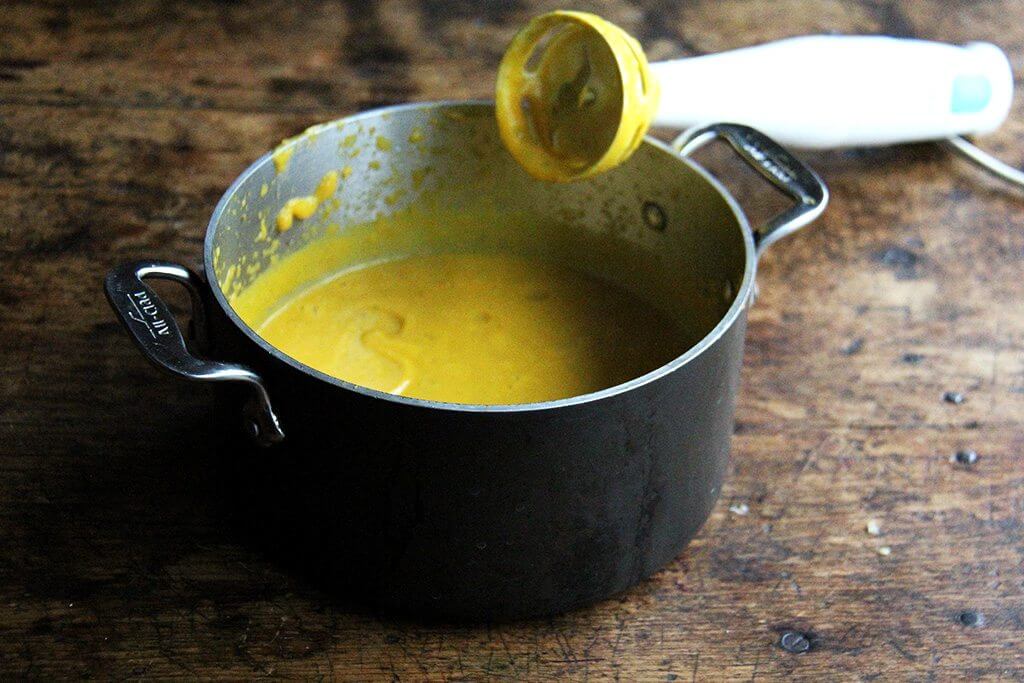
481	328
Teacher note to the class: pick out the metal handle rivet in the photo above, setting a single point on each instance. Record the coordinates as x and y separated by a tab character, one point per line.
654	216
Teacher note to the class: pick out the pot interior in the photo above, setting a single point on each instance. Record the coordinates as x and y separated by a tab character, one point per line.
435	179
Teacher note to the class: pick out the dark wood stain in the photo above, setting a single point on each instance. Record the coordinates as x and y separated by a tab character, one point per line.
439	12
892	20
377	56
21	63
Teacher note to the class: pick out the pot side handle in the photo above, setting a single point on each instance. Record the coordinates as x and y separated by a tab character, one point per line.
772	161
152	327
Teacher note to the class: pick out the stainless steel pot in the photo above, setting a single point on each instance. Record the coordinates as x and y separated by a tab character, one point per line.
472	511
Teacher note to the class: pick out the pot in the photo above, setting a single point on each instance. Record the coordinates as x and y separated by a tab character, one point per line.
478	511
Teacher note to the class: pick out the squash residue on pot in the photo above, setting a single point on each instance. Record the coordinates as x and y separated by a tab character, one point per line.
303	207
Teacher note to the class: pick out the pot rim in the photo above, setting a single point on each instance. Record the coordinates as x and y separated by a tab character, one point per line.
723	325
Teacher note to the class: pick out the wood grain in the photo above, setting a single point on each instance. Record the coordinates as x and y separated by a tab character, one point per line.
121	124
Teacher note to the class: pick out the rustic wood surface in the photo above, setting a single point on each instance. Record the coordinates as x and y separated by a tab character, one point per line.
122	123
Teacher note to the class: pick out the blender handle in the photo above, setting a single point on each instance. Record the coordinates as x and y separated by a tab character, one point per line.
152	327
772	161
858	90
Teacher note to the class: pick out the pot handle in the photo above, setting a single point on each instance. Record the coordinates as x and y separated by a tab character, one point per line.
771	160
152	326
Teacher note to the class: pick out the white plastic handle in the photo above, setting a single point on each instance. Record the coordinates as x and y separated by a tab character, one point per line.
837	91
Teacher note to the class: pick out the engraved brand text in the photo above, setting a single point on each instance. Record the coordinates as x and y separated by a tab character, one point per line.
147	313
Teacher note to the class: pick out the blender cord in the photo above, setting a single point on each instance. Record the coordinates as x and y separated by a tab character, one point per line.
986	161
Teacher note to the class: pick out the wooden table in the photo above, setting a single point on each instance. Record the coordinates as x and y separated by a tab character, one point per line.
121	124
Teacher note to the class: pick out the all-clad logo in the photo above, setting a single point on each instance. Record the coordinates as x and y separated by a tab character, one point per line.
767	163
146	312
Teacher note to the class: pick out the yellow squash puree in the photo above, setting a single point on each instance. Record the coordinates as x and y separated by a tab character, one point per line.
302	208
480	328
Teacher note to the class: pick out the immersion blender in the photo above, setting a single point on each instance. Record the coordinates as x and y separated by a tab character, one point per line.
576	94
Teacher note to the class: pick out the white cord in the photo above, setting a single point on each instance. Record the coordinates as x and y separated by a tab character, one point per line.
974	154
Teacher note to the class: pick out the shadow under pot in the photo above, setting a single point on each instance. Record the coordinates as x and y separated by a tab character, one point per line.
488	512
